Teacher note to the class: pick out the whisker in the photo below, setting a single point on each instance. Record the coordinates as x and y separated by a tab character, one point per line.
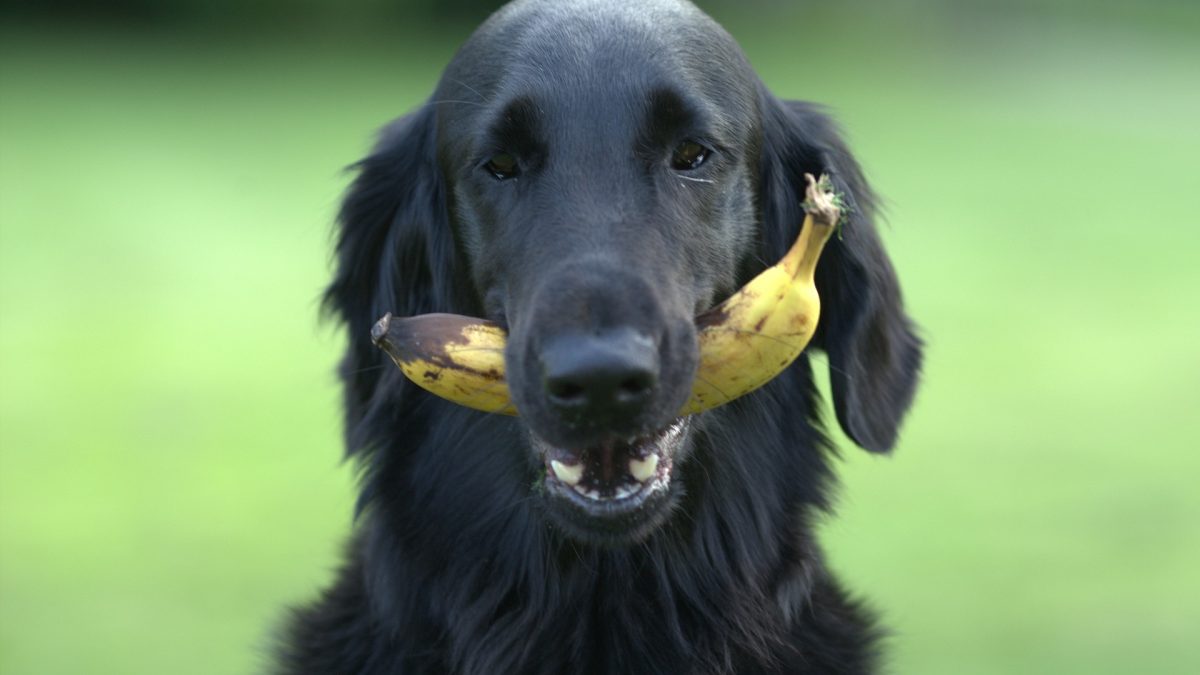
450	100
835	369
473	89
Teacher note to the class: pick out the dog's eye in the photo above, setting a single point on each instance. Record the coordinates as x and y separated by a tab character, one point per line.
688	155
502	166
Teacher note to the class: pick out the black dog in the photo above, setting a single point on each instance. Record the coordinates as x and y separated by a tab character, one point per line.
592	174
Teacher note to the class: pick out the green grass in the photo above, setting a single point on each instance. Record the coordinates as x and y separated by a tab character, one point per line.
169	430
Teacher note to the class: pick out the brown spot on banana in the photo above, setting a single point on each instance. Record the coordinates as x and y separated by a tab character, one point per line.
713	317
456	357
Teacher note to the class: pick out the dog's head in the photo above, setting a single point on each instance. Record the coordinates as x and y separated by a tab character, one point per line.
592	175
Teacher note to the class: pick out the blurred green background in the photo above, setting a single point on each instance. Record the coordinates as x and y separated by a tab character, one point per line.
170	471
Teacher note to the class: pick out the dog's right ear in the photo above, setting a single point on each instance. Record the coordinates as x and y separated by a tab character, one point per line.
873	348
395	254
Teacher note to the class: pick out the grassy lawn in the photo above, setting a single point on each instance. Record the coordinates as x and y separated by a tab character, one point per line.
170	468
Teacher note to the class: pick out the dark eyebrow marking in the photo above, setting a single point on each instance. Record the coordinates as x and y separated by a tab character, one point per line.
668	117
516	128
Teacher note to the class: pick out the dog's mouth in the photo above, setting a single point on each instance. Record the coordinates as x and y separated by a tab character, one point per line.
611	487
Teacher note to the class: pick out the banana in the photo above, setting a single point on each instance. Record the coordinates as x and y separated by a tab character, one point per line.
755	334
456	357
744	342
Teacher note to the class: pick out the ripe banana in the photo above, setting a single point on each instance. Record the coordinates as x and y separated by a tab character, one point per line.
744	342
456	357
751	337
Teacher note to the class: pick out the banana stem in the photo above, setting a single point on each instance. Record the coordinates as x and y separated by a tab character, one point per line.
821	216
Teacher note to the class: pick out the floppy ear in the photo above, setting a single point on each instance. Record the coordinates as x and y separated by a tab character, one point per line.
874	353
395	254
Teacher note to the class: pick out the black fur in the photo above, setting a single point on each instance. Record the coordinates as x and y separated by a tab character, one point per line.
457	565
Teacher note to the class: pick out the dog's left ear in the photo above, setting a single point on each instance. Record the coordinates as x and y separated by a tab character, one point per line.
395	253
874	353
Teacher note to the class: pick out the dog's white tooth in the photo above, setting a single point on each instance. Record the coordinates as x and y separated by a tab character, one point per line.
643	469
593	495
571	475
581	490
624	491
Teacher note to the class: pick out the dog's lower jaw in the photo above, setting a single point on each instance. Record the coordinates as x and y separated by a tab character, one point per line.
615	493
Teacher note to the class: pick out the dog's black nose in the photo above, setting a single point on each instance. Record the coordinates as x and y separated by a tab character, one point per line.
600	381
